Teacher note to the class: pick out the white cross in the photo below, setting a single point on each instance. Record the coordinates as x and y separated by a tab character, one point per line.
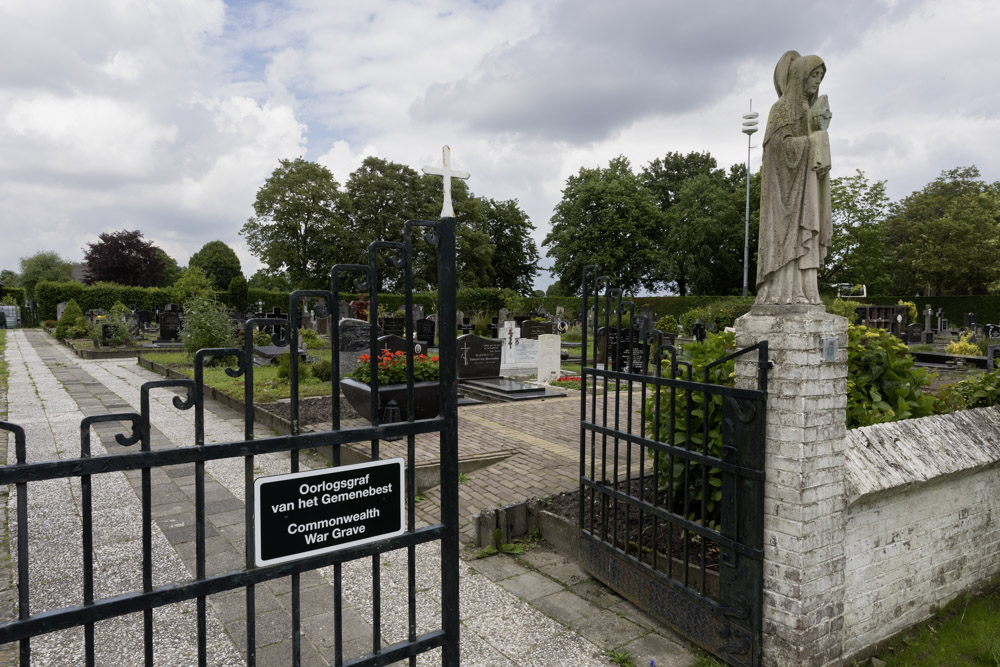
447	211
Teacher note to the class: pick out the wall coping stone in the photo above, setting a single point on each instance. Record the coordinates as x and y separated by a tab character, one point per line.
885	458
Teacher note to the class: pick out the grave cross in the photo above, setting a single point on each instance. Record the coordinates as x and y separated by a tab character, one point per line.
447	211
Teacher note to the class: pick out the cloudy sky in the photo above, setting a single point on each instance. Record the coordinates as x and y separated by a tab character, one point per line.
167	116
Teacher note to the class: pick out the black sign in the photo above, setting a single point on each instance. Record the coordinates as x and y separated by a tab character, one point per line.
478	357
319	511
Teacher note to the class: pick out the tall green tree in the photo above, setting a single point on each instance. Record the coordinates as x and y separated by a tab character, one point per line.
702	239
300	227
45	265
606	217
219	262
857	249
515	257
946	237
171	271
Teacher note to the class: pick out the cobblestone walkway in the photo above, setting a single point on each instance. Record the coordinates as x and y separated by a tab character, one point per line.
506	619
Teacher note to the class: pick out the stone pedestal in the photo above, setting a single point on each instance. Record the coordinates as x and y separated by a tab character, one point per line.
804	504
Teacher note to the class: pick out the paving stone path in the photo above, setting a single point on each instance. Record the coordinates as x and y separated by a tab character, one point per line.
540	609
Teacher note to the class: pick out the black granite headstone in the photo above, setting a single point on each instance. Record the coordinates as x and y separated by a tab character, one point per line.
532	329
392	342
631	351
425	331
170	325
992	357
478	357
395	326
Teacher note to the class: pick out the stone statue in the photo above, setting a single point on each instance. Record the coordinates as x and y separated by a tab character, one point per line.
795	216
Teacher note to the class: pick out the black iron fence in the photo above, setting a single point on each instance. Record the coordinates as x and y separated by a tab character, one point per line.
90	610
672	483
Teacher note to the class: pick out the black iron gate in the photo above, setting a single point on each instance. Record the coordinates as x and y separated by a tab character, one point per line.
91	610
672	480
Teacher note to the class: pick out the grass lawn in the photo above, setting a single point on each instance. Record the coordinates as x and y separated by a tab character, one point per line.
966	632
267	386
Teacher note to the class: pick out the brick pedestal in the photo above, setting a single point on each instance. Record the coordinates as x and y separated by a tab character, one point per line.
804	504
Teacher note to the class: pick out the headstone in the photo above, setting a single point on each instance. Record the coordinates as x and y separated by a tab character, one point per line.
621	349
913	333
418	311
927	317
504	315
425	331
992	331
992	357
466	325
323	326
647	312
344	310
170	325
60	307
970	321
942	321
548	357
393	325
560	313
698	330
393	344
355	338
532	329
269	354
494	328
478	357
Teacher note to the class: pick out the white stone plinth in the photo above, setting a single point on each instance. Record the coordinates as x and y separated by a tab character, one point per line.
804	503
549	349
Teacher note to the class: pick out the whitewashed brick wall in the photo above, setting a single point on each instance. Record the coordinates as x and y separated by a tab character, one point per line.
923	520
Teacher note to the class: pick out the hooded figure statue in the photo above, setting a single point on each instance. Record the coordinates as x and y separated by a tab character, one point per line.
795	217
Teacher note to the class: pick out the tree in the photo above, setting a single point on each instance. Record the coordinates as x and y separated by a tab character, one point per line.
515	258
300	227
383	195
123	257
946	237
263	279
219	262
193	283
857	249
606	218
238	296
701	242
171	271
10	278
45	265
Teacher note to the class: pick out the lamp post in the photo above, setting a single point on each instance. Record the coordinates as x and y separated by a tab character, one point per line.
749	127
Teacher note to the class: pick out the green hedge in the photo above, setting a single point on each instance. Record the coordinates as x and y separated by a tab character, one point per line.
986	307
101	295
17	292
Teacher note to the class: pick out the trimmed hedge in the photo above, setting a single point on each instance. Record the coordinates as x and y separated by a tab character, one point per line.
19	294
986	307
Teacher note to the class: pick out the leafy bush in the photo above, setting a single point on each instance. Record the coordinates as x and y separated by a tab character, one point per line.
723	313
238	295
311	339
848	309
121	332
206	324
323	370
69	323
285	369
668	324
962	345
699	355
980	391
911	309
882	383
193	283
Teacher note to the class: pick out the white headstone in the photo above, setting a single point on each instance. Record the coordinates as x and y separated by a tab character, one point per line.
548	357
445	171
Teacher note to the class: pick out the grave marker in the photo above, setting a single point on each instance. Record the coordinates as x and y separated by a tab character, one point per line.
478	357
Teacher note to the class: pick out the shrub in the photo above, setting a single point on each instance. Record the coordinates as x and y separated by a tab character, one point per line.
68	321
911	309
882	383
668	324
121	332
962	345
285	369
193	283
206	324
323	370
238	295
699	355
311	338
981	391
722	313
848	309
